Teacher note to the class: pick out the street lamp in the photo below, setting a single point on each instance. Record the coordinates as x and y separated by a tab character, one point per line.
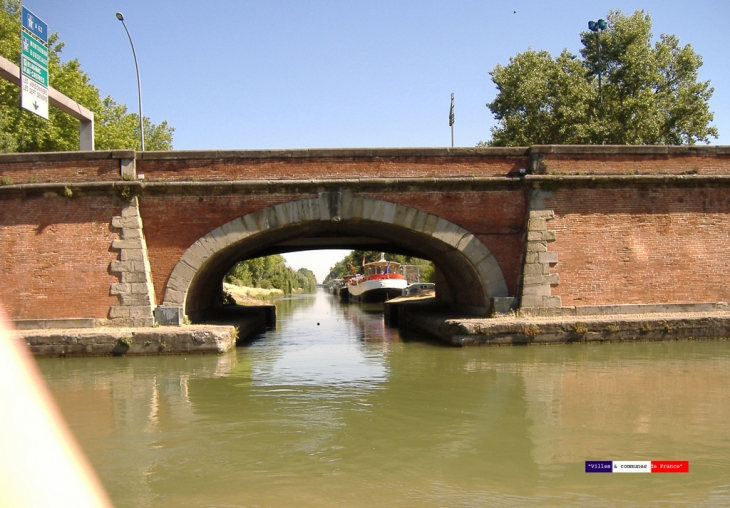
598	26
139	86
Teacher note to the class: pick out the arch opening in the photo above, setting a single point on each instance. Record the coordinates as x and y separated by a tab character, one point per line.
467	274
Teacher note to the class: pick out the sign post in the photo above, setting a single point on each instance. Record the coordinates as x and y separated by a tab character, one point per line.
34	64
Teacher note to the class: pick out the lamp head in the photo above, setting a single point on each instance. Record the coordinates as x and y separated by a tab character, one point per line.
120	17
591	25
602	25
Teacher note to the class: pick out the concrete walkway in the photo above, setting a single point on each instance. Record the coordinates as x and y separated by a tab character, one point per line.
194	339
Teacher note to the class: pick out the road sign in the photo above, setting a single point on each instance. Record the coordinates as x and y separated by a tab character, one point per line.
34	61
34	64
35	25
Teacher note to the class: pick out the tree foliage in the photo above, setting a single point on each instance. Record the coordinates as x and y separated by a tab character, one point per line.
22	131
649	94
271	272
357	257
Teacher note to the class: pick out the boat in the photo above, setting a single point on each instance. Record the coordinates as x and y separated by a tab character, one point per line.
335	286
344	290
418	288
380	281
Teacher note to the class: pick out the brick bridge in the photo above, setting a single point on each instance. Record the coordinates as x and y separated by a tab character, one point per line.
106	238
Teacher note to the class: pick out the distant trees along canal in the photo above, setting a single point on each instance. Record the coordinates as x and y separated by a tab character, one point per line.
271	272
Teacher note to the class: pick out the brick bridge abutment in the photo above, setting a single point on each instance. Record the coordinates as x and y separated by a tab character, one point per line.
115	238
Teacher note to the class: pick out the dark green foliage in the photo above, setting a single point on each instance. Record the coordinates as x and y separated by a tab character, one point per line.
22	131
649	94
355	258
271	272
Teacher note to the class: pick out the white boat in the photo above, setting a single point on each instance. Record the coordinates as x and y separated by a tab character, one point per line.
381	281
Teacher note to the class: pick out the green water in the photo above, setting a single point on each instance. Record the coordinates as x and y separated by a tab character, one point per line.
335	409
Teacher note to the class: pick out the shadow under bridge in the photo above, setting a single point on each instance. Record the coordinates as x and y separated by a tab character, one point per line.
467	274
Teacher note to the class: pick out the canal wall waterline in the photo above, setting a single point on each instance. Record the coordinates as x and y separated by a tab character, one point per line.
194	339
515	330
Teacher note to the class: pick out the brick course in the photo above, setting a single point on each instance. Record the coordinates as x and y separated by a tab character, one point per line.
60	171
323	167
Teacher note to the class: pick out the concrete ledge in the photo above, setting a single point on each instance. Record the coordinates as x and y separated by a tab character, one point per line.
66	156
497	152
334	153
42	324
459	331
130	341
629	150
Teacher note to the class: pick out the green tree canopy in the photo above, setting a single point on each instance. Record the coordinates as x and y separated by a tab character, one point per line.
649	94
271	272
22	131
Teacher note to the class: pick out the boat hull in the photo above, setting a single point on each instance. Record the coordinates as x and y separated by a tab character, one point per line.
373	291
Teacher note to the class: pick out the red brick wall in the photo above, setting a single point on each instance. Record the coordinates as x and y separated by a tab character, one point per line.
636	164
55	257
61	171
621	246
322	167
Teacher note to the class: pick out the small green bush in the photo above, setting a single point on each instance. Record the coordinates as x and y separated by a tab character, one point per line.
531	331
6	180
124	342
228	298
580	328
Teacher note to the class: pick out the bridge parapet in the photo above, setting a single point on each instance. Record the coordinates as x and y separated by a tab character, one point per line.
580	227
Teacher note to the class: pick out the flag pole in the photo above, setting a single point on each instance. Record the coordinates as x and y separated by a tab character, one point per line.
451	120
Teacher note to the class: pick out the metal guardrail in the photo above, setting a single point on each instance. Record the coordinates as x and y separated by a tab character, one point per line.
11	72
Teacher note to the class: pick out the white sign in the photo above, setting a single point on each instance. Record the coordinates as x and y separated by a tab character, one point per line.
33	96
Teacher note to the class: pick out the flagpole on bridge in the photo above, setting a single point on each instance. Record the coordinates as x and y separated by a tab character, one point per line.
451	120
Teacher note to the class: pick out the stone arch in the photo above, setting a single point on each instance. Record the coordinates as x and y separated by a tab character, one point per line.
464	256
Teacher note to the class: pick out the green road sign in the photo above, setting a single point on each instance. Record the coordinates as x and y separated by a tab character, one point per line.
34	50
34	71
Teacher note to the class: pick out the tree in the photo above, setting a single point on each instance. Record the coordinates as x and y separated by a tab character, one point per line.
649	95
271	272
23	131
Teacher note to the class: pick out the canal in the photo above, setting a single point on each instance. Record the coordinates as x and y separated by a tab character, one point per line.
335	409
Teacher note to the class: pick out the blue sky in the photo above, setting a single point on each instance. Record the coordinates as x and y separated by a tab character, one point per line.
326	74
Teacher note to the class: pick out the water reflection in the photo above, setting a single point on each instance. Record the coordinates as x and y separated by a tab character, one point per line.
334	409
322	342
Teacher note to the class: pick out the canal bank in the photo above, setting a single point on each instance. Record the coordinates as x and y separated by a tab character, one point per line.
417	316
193	339
231	325
513	329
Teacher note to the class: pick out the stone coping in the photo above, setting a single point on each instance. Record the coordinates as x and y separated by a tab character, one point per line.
250	186
307	153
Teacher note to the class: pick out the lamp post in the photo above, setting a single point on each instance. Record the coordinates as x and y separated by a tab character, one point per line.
139	86
597	27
